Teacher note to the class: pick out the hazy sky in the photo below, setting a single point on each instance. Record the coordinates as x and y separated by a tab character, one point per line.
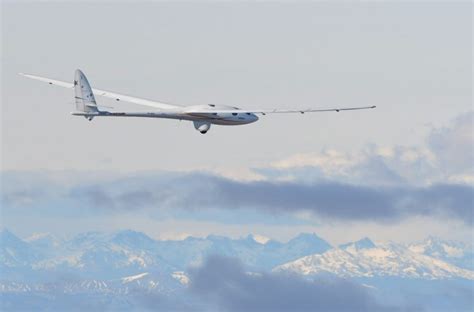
412	60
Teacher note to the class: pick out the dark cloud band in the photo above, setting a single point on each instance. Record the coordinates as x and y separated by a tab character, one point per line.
329	199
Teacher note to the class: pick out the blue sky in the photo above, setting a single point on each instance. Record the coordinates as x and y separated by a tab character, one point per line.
412	155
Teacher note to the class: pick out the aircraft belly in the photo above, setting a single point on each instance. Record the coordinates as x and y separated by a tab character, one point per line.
225	122
170	115
217	120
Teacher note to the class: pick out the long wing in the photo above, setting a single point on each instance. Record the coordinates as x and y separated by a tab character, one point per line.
107	94
278	111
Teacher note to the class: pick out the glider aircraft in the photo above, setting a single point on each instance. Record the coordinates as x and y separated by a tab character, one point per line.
203	116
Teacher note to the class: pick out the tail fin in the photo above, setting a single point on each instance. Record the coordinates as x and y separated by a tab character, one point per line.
85	100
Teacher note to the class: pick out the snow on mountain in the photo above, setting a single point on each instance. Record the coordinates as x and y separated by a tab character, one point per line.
43	240
365	259
455	253
99	256
260	239
129	279
250	250
14	287
143	282
121	268
181	277
96	286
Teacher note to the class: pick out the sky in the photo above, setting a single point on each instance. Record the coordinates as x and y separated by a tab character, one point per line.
400	172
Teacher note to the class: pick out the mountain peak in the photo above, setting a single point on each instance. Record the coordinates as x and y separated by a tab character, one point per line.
437	247
129	233
43	239
214	237
259	238
8	237
5	232
364	243
132	238
385	260
38	236
307	237
433	240
250	239
310	242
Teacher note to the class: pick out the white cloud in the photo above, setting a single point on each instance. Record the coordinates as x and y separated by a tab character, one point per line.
446	156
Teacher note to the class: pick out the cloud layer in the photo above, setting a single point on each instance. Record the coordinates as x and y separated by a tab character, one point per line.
332	200
200	192
445	156
380	184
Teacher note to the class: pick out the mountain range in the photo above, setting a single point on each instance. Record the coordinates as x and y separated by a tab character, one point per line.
109	256
124	253
117	267
365	259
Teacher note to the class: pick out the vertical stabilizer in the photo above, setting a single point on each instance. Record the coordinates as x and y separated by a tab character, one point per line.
85	101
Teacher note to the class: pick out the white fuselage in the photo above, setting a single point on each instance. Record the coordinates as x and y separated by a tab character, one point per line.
205	114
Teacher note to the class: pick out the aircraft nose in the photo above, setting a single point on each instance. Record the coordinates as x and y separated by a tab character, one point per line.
254	117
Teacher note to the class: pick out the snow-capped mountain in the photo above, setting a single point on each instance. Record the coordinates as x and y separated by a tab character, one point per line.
99	255
124	268
364	243
252	250
311	243
95	255
15	252
366	259
43	240
455	253
107	257
147	282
